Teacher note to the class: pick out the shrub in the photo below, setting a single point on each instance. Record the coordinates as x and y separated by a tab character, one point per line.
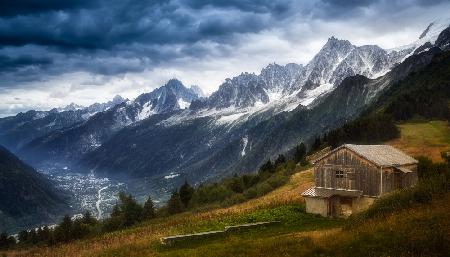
235	199
250	193
263	188
277	180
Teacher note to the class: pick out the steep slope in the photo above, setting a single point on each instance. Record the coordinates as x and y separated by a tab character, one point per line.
26	198
70	143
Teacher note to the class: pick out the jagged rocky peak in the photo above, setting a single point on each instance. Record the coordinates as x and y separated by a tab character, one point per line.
100	107
71	107
196	89
322	66
118	99
170	97
280	77
368	60
244	90
443	40
340	47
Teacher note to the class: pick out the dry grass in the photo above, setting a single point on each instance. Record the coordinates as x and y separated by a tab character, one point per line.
417	231
135	241
403	233
424	138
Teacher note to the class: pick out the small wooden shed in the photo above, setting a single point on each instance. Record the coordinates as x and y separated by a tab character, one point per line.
349	178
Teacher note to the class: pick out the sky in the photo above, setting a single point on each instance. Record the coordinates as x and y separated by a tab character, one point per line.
56	52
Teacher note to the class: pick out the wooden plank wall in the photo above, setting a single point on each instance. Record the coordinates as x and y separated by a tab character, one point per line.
359	174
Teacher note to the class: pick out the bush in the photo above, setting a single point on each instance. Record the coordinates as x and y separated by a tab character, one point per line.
250	193
263	188
235	199
277	180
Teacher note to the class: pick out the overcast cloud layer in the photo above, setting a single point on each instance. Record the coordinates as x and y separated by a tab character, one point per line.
55	52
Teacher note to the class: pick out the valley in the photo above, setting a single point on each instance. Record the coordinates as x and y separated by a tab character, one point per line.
98	194
88	192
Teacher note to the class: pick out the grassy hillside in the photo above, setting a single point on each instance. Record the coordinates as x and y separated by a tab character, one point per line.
424	138
284	204
413	222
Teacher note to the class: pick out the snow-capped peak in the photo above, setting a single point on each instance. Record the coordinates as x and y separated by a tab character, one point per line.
71	107
430	34
170	97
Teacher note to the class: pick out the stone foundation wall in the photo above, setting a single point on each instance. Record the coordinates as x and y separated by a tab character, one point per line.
317	205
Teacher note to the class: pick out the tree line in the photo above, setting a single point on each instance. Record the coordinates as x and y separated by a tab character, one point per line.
238	188
370	129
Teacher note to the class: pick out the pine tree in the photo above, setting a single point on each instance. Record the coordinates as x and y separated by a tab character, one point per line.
174	205
32	237
44	234
130	209
280	160
23	236
267	166
300	153
88	219
115	211
6	241
64	230
148	212
186	192
317	144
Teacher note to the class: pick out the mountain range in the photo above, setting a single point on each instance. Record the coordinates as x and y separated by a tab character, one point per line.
176	131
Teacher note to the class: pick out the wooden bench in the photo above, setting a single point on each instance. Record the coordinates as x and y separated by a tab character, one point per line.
170	240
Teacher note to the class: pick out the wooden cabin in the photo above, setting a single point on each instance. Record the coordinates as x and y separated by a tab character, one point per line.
349	178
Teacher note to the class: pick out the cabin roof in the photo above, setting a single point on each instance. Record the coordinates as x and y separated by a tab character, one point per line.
381	155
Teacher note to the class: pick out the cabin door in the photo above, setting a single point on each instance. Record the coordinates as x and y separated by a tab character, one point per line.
333	206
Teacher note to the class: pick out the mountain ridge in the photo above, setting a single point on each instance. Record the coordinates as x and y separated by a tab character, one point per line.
27	198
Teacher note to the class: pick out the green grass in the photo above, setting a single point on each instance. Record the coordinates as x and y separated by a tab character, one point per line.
424	138
292	219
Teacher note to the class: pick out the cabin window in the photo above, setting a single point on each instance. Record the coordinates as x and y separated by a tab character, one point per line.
339	174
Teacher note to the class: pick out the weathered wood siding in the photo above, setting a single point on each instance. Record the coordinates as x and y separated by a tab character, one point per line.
394	179
358	173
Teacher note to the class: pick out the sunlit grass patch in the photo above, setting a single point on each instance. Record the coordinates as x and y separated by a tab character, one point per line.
424	138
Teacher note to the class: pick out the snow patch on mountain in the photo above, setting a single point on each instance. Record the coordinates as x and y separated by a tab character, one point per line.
230	118
145	112
244	145
311	95
171	175
183	104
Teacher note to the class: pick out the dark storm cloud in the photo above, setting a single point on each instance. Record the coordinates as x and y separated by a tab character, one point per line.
22	7
259	6
117	36
8	63
99	36
91	25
